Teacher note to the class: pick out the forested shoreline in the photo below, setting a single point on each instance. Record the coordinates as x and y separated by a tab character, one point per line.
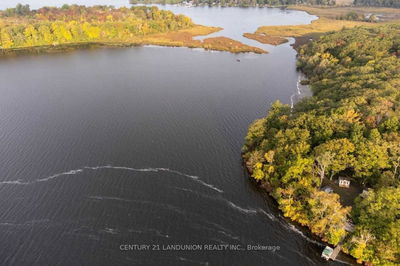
349	127
56	29
249	3
20	27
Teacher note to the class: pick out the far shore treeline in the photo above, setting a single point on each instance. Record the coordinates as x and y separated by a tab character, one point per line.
248	3
20	27
349	127
241	3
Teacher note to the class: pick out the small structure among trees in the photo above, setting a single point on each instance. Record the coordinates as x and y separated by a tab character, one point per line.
344	182
327	189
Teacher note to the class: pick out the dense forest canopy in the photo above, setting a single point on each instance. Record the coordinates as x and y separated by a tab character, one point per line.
349	127
386	3
21	27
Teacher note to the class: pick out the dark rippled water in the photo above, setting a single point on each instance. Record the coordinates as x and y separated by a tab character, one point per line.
100	148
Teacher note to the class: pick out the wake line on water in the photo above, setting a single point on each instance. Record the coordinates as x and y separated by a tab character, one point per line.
250	211
77	171
298	93
157	170
294	229
273	218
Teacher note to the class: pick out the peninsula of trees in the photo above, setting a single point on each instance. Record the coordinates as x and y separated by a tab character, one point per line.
349	127
57	28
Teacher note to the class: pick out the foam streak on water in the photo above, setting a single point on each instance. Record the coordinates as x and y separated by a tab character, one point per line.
250	211
293	96
77	171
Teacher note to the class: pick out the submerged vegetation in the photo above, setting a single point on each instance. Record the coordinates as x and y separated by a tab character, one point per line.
349	127
73	26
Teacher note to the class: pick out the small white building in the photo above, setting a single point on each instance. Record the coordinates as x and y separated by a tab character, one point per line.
344	182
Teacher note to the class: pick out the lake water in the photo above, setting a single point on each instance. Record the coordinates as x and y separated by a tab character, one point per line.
141	146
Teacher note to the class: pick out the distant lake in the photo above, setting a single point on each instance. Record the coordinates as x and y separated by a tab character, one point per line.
141	146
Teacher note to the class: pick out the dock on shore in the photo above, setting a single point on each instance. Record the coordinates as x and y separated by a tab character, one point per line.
331	254
336	252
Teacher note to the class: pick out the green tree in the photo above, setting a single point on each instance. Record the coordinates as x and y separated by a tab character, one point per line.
377	235
341	152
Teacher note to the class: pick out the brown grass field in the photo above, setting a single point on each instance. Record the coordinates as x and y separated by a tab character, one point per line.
328	21
321	25
267	39
184	38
